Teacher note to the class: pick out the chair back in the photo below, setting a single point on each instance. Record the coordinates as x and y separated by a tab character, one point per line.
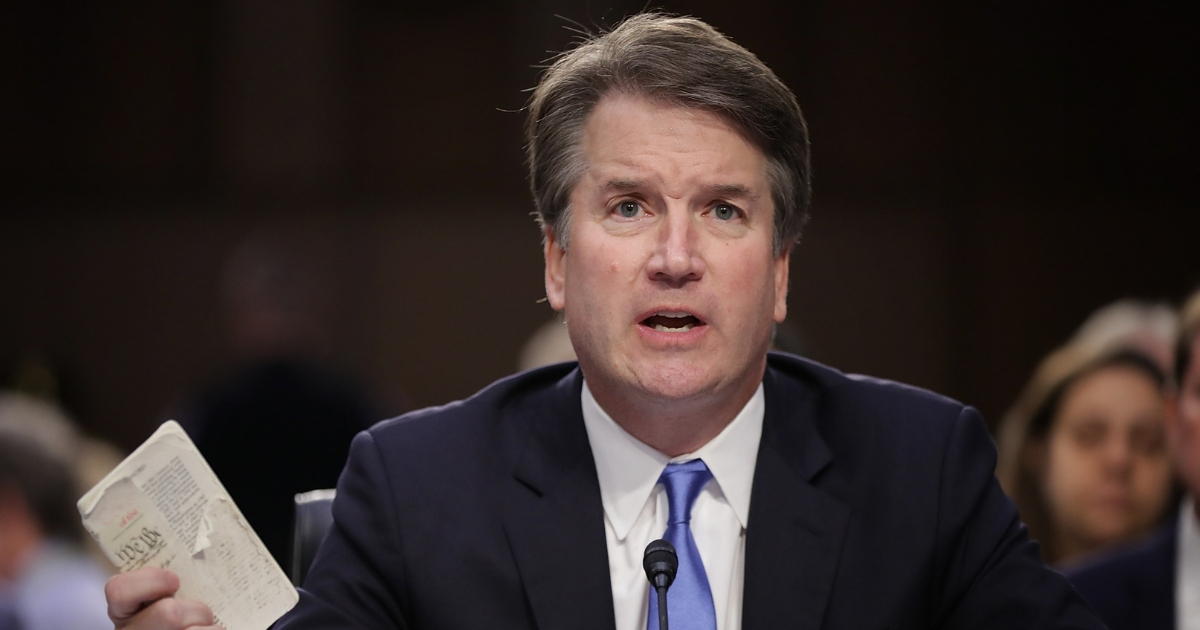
314	515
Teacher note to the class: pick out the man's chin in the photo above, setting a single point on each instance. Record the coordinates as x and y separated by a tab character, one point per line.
674	384
671	382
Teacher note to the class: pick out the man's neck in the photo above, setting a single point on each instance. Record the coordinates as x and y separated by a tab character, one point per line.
674	427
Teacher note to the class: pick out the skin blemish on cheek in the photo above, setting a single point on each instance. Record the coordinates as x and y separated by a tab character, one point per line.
613	266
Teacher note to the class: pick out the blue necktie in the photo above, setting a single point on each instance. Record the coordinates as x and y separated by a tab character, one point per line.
689	600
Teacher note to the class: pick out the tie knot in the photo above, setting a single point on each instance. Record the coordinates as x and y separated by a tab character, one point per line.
683	482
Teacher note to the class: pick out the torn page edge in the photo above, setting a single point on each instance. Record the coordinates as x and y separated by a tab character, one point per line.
88	502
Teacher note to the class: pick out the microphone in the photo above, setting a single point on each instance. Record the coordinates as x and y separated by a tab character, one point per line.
661	564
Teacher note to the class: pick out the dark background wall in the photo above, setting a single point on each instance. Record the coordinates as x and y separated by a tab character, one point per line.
986	175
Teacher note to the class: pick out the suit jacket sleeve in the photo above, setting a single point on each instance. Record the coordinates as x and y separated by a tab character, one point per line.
356	579
991	575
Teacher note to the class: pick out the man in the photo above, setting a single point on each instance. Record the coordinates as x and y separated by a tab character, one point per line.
670	171
1156	584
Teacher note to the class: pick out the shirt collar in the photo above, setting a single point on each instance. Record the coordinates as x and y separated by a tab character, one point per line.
628	469
1188	559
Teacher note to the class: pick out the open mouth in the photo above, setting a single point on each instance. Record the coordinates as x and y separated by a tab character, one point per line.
672	322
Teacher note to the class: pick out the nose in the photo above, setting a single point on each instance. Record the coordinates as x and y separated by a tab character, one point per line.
676	259
1118	456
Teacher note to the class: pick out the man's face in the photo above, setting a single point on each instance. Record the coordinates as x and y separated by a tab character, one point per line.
1183	424
669	284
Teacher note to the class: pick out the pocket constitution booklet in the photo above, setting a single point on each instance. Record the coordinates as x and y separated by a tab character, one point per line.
164	507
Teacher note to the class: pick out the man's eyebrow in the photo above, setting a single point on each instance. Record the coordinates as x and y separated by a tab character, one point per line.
623	185
726	190
731	190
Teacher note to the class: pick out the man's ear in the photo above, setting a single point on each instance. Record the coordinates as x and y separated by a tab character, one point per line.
556	270
781	286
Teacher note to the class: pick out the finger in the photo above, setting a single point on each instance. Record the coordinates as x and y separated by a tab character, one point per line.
173	614
128	593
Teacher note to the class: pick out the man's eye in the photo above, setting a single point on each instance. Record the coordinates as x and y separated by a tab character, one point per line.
724	212
628	209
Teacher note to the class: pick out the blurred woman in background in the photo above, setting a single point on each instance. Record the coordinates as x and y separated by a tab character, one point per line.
1083	451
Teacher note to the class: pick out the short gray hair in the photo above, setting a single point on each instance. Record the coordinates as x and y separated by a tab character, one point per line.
679	61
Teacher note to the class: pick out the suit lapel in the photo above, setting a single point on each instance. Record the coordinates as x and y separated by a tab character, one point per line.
1154	591
794	537
555	519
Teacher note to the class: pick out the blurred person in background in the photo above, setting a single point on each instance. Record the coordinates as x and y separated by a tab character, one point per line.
38	377
1147	327
8	616
1083	450
281	422
549	344
1155	585
47	578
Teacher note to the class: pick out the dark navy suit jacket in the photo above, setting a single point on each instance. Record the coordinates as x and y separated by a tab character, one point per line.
1134	589
874	505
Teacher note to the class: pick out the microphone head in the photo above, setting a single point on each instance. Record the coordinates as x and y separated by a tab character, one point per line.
661	563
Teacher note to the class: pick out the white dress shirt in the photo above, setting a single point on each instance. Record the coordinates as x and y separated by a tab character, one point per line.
1187	569
635	508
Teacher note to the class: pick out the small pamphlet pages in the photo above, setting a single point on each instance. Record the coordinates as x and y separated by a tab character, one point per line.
164	507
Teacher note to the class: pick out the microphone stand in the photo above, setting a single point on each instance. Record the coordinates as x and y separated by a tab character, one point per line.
662	607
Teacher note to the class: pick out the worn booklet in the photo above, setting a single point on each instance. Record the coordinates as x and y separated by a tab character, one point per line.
164	507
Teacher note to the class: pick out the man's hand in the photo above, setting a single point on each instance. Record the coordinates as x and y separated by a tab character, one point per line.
142	600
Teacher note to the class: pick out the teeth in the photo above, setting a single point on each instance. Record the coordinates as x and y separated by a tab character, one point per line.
684	328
